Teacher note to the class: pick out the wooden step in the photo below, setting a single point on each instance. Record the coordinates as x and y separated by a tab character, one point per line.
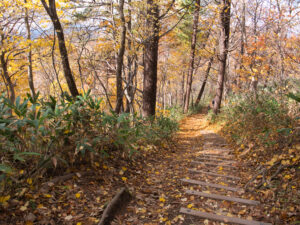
217	160
214	174
211	185
217	156
221	218
215	164
223	197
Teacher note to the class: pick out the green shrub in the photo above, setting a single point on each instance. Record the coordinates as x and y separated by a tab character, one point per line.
262	120
37	133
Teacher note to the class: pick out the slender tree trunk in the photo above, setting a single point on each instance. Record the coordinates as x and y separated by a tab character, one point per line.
182	89
51	11
54	63
242	46
223	51
120	59
150	60
192	57
204	81
29	54
129	90
8	81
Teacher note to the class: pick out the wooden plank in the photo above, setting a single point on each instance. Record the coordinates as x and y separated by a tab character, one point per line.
214	174
210	185
215	164
218	156
221	218
223	197
217	160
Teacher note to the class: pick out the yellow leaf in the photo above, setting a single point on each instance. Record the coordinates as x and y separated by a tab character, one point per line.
124	179
79	223
190	206
40	206
273	160
168	222
162	199
48	195
124	168
105	167
285	162
29	181
97	164
67	131
21	171
77	195
4	199
29	223
287	176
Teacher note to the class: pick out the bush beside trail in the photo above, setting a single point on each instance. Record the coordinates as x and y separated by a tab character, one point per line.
42	137
264	131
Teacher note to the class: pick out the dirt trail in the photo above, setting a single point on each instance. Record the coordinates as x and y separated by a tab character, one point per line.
170	192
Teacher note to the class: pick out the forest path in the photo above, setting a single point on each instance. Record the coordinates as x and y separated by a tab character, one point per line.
214	191
196	183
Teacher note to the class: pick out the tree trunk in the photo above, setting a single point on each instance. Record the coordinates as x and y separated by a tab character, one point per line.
51	11
192	57
120	59
223	51
182	89
129	90
242	47
29	54
150	60
11	87
204	81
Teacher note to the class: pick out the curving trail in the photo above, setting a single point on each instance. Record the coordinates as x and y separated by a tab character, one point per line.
197	182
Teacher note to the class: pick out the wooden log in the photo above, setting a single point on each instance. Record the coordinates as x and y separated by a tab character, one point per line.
223	197
214	174
211	185
118	202
221	218
45	186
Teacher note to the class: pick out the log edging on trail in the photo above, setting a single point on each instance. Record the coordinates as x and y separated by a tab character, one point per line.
121	199
62	178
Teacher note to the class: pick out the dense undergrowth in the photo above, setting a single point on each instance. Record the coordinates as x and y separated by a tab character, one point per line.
265	132
38	135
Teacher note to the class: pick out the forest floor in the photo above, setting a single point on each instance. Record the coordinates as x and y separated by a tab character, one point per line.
153	176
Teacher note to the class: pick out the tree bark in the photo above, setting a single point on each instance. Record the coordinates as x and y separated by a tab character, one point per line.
182	94
204	81
120	59
242	46
29	54
223	51
150	60
129	90
7	78
51	11
192	57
